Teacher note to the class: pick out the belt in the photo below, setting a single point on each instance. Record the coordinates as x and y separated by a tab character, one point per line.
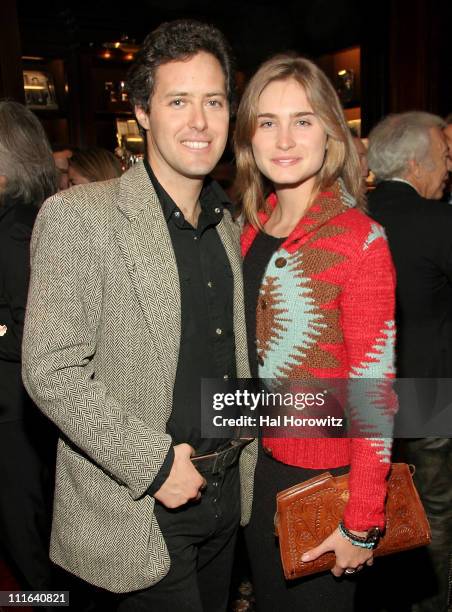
221	459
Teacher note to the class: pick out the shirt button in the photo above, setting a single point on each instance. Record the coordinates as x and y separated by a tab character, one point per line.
280	262
177	214
195	238
226	377
219	331
210	284
218	210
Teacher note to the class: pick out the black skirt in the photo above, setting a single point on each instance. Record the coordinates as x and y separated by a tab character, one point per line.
321	592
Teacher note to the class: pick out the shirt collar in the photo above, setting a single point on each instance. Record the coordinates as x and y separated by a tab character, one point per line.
326	205
166	201
213	199
397	179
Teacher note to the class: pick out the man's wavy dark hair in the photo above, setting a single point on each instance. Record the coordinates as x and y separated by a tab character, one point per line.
177	40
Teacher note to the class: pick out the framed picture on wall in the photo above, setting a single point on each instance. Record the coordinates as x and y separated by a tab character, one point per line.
39	90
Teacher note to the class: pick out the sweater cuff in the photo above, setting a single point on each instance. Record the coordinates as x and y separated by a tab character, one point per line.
366	506
163	473
361	516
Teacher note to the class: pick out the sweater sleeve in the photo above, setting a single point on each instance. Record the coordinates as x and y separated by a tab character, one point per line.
367	311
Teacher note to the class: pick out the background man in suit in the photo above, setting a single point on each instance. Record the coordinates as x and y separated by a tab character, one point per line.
136	294
408	153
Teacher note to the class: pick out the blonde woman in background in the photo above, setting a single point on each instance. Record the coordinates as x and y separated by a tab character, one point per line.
93	165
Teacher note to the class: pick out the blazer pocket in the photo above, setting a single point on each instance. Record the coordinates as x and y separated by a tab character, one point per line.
99	532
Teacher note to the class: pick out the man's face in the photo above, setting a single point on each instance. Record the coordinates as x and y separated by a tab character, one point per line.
187	123
433	170
448	134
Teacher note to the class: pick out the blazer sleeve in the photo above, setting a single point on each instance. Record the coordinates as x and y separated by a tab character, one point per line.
59	342
367	310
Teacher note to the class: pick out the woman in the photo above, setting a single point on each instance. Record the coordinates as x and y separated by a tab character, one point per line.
27	442
92	165
319	289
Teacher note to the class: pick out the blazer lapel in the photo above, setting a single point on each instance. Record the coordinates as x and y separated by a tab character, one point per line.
145	243
229	235
231	245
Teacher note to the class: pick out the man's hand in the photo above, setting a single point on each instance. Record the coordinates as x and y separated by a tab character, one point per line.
348	556
184	482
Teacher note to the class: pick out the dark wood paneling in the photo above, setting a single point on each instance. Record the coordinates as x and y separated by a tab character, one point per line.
405	46
11	83
406	59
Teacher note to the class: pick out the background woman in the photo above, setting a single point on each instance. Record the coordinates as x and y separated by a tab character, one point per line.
92	165
27	441
319	289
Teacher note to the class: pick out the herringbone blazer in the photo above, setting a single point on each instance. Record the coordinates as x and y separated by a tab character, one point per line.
100	351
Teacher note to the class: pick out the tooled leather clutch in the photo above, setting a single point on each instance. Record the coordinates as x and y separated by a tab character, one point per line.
309	512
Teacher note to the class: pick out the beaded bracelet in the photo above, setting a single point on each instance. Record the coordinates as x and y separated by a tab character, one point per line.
354	539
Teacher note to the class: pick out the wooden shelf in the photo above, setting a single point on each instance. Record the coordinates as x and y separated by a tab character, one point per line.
108	113
99	113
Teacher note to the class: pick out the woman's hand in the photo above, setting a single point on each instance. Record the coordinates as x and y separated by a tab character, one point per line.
348	556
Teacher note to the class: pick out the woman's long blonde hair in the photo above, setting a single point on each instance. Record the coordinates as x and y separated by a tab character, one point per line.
341	159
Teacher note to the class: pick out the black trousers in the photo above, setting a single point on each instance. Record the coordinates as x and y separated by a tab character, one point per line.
418	580
27	459
319	593
200	538
433	477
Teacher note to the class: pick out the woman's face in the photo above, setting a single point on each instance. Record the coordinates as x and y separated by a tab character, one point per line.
289	142
75	178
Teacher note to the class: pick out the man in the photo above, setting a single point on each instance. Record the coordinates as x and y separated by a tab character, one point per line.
407	153
136	294
27	438
448	134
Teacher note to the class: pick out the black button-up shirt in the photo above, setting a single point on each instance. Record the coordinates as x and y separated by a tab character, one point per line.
207	345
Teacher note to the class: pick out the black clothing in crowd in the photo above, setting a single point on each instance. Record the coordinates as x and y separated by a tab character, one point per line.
419	233
27	438
420	238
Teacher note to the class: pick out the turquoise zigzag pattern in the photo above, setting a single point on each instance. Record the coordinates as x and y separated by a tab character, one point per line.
381	356
346	197
300	313
366	401
376	232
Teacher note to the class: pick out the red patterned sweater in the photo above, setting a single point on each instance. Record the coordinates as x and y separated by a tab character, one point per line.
326	310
